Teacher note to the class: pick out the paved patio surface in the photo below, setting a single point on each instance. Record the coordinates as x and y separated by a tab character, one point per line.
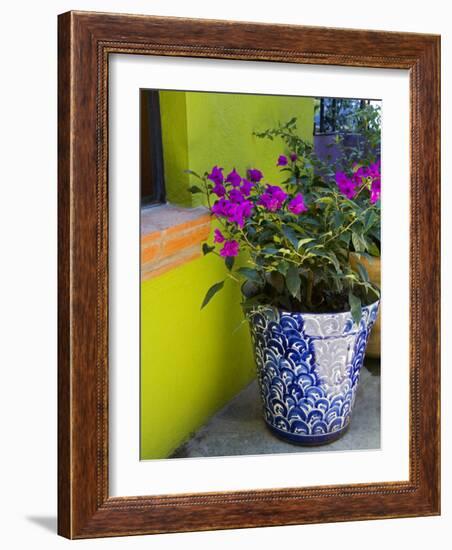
239	429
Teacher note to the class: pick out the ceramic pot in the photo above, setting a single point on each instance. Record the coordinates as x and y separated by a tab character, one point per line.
308	369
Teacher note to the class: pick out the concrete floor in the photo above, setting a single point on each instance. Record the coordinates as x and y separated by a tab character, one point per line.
239	429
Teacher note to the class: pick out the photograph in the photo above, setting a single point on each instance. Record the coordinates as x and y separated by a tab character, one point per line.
260	289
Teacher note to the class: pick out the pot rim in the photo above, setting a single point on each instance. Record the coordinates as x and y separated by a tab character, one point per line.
312	314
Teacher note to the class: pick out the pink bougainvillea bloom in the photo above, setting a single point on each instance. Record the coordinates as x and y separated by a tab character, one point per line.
374	170
230	248
246	187
234	178
273	198
216	175
360	175
246	208
346	186
235	195
219	189
293	157
234	212
218	237
282	160
255	175
375	190
297	205
240	212
219	207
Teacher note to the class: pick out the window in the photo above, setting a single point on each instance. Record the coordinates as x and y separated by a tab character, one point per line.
152	179
336	115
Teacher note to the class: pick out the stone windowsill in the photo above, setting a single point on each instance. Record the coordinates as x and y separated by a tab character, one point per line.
171	236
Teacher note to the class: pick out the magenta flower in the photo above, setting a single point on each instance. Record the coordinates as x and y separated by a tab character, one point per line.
273	198
255	175
369	174
246	187
219	208
359	174
375	190
374	170
219	189
297	205
218	237
240	212
375	186
234	178
235	195
230	248
346	186
246	208
282	160
293	157
216	175
232	211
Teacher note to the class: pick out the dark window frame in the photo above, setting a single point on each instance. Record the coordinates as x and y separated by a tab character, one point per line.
152	174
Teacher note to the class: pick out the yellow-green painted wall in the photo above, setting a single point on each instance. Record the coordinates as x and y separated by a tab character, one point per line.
217	128
175	135
194	361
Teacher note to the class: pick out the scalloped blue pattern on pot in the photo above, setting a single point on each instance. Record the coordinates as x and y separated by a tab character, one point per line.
308	369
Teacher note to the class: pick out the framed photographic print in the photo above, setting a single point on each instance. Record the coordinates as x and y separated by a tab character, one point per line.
248	275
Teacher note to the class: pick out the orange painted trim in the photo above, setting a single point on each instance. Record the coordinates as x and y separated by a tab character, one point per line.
164	250
178	241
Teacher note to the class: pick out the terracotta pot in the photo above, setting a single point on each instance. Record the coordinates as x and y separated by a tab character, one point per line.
374	270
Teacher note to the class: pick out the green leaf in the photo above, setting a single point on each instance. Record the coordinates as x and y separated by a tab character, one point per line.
338	219
302	242
358	242
206	249
363	272
249	273
345	238
329	256
290	235
269	250
211	293
283	267
310	221
195	189
293	281
369	219
193	173
373	248
229	261
325	200
355	307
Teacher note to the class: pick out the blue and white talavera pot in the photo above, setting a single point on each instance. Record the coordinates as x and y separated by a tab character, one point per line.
308	369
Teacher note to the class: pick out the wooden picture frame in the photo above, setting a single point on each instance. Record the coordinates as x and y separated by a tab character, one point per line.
86	40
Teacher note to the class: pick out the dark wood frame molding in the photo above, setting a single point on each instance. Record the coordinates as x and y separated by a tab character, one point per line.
85	42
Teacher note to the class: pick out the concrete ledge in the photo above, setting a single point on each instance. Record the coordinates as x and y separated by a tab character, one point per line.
170	236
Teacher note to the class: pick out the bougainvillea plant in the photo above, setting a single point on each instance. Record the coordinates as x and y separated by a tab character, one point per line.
340	167
294	239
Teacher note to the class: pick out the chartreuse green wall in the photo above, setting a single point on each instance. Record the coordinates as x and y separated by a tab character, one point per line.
205	128
194	361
